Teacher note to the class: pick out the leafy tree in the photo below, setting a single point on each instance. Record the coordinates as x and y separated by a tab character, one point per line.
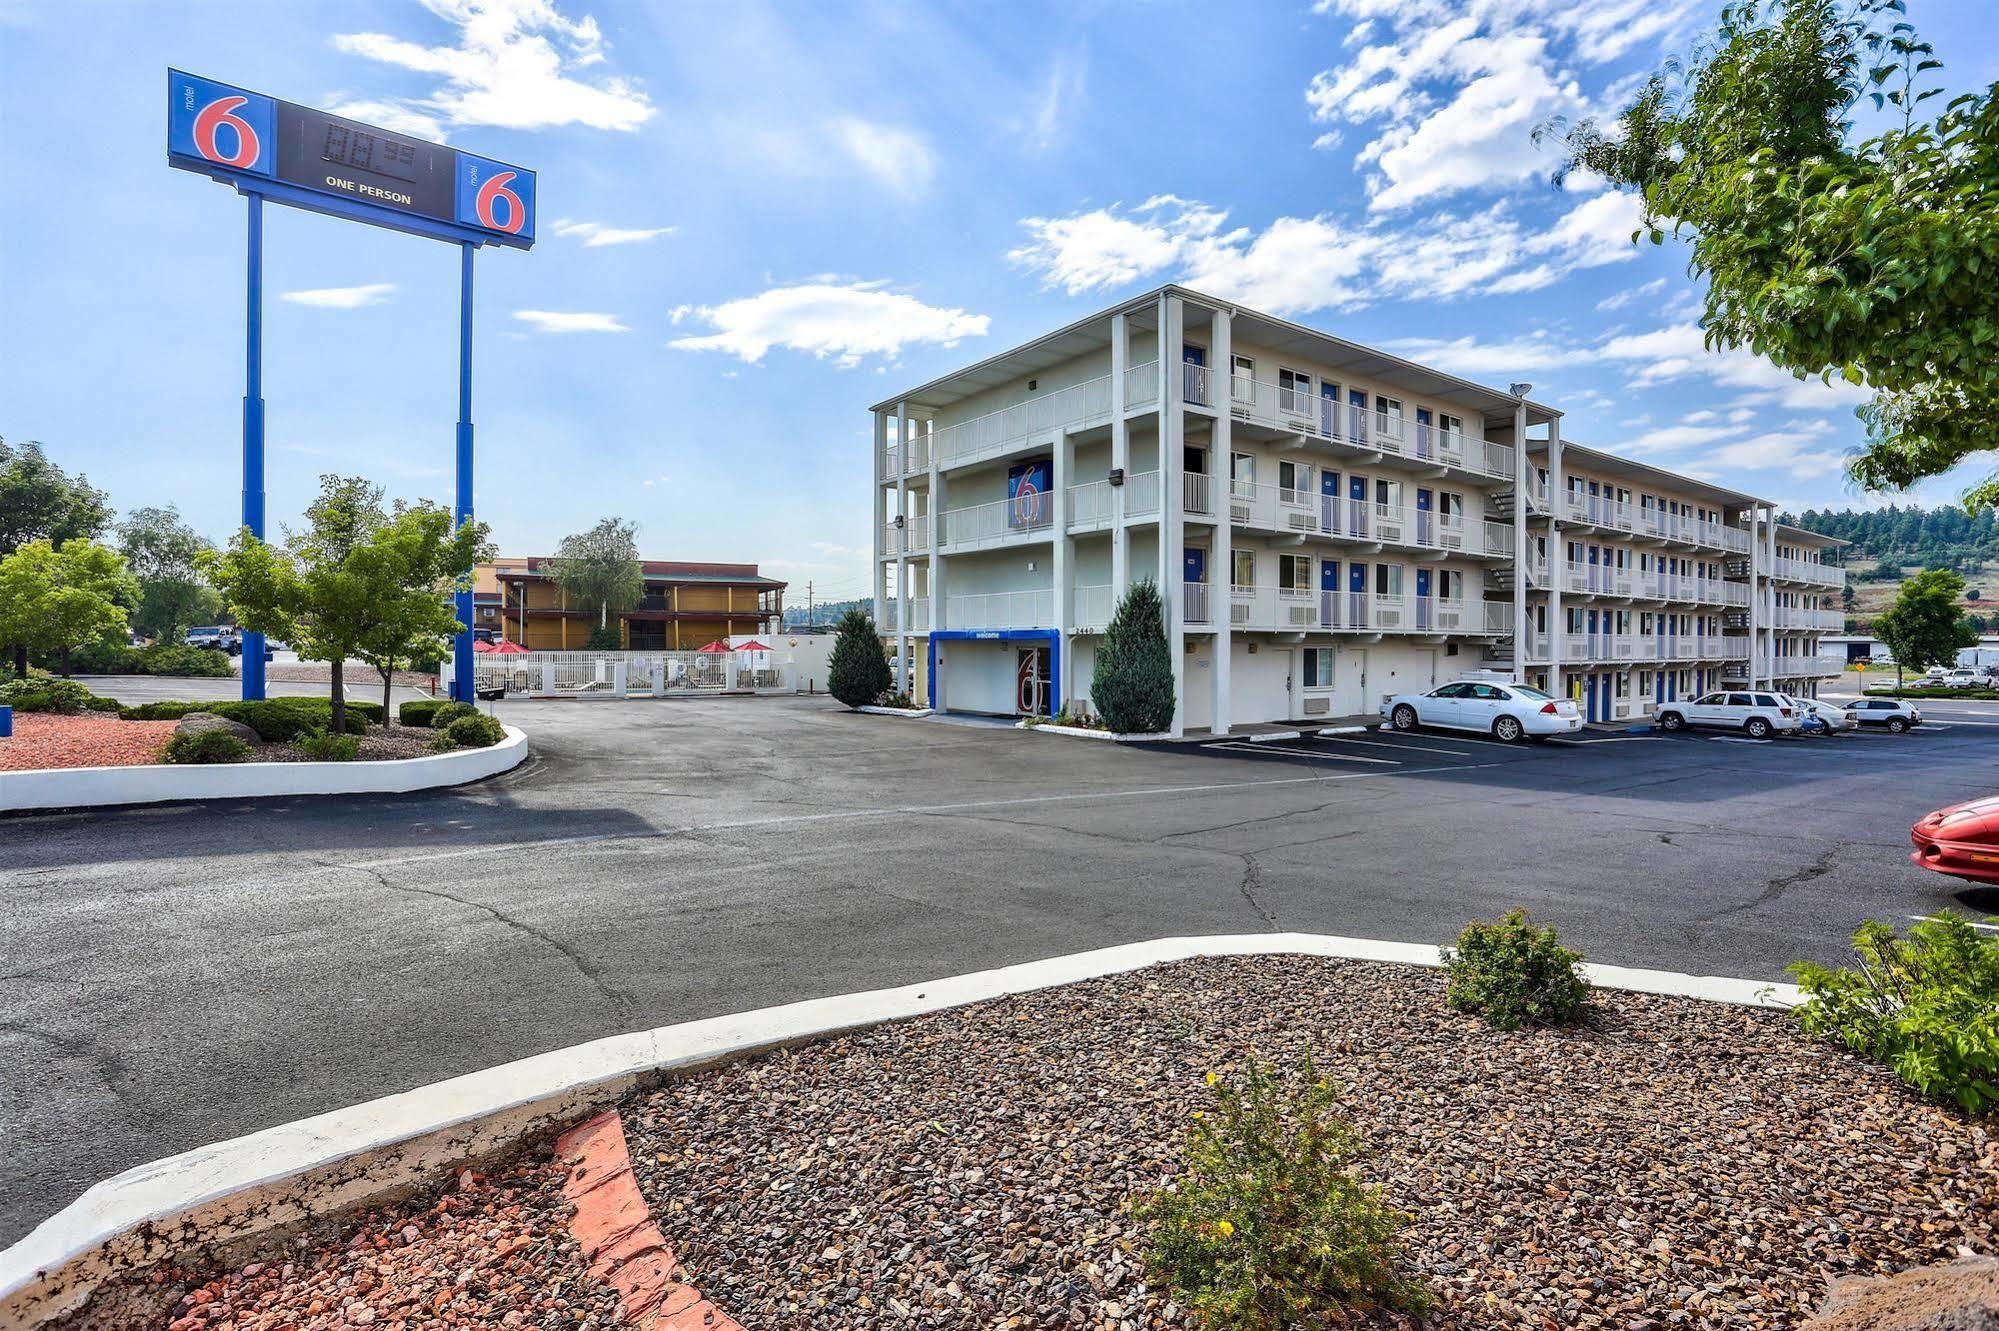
1924	627
1873	259
857	671
342	589
1132	686
424	561
164	554
601	567
57	599
40	502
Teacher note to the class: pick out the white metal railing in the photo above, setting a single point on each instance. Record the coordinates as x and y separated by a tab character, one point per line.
1194	384
895	610
1324	419
1278	509
1091	608
1806	570
1091	503
1302	609
982	526
1652	647
913	537
1196	493
586	674
998	431
1194	602
1141	384
1798	617
1031	609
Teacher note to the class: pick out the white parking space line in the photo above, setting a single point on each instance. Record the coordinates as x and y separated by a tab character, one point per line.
1981	925
1607	739
1309	753
1385	744
1735	739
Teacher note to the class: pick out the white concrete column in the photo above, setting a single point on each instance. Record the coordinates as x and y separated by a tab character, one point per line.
1172	520
1120	460
939	574
1063	470
881	521
1221	352
1556	556
902	559
1523	474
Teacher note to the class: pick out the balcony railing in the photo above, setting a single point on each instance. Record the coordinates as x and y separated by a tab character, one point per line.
1141	384
912	538
1304	610
983	526
1653	647
906	614
1795	617
1809	571
1194	602
1649	585
1307	512
1297	411
1091	608
1807	667
1034	609
1090	504
1196	494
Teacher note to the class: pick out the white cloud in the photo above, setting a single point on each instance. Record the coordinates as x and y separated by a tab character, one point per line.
1298	264
342	298
1453	88
1677	352
397	117
597	234
1057	102
825	317
1784	450
517	64
899	159
1617	300
1671	438
1469	356
570	321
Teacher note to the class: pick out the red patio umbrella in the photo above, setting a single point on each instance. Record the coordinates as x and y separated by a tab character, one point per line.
718	646
752	646
505	648
481	645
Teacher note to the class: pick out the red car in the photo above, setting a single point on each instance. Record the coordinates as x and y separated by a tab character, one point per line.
1962	841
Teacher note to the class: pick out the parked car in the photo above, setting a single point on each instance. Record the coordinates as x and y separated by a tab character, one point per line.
1961	841
1819	717
1755	713
1506	711
1935	674
1964	678
1893	713
215	638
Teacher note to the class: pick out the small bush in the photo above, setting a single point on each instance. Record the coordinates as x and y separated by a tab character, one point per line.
1920	691
476	731
325	748
162	658
418	711
207	746
167	710
857	672
893	699
1514	973
1927	1005
97	704
1268	1227
43	693
1132	686
445	713
274	719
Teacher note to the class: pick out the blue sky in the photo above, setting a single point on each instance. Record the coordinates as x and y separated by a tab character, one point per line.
756	219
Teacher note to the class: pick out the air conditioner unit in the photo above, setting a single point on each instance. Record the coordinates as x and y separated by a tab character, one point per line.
1318	706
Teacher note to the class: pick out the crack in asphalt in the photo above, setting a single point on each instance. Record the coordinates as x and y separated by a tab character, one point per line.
1252	881
1777	887
111	1070
584	967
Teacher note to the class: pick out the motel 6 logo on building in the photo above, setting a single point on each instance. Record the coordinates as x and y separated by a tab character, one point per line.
221	124
495	196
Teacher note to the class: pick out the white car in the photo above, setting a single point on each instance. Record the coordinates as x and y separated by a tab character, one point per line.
1964	679
1505	711
1756	713
1833	717
1894	714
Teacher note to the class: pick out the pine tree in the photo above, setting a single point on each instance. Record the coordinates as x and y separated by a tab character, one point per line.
857	674
1133	684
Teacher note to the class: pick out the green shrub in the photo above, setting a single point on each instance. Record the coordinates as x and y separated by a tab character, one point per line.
274	719
418	711
605	639
162	658
1927	1005
1132	686
1269	1227
207	746
44	693
894	699
857	672
97	704
325	748
166	710
476	731
1514	973
446	713
1935	691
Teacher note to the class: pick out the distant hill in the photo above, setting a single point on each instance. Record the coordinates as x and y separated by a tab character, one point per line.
825	614
1890	543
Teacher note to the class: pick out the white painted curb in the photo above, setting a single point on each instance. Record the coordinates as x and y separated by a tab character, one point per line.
1084	732
96	787
873	710
238	1189
1272	736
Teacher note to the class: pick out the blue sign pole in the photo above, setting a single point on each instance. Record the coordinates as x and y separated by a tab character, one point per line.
253	429
461	665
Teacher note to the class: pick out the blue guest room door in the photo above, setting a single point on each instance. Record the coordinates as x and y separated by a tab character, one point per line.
1357	616
1329	502
1329	594
1357	494
1426	525
1329	409
1422	598
1196	565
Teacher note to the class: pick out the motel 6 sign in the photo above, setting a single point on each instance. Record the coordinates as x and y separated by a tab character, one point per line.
311	159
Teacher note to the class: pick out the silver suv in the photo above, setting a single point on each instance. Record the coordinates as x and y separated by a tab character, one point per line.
1754	712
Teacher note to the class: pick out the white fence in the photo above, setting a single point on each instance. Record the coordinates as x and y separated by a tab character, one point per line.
635	674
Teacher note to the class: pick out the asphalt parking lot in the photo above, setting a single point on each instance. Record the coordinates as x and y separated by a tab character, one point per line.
177	975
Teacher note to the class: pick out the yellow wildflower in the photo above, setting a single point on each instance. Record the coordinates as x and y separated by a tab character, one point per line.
1225	1227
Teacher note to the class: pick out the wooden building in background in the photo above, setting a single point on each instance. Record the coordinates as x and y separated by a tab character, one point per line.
685	606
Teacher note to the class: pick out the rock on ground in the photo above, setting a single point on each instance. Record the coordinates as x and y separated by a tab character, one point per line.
1960	1296
200	723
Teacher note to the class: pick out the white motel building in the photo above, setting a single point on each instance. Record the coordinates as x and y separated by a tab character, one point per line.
1328	524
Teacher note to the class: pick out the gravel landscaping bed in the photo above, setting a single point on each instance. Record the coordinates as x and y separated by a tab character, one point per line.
47	739
488	1253
381	743
1684	1164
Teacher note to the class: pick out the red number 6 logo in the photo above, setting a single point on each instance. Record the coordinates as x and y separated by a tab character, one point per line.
220	112
490	193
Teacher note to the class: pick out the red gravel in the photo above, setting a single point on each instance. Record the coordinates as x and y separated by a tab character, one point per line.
488	1253
44	739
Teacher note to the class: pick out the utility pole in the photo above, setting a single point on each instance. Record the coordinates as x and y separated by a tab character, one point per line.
809	620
